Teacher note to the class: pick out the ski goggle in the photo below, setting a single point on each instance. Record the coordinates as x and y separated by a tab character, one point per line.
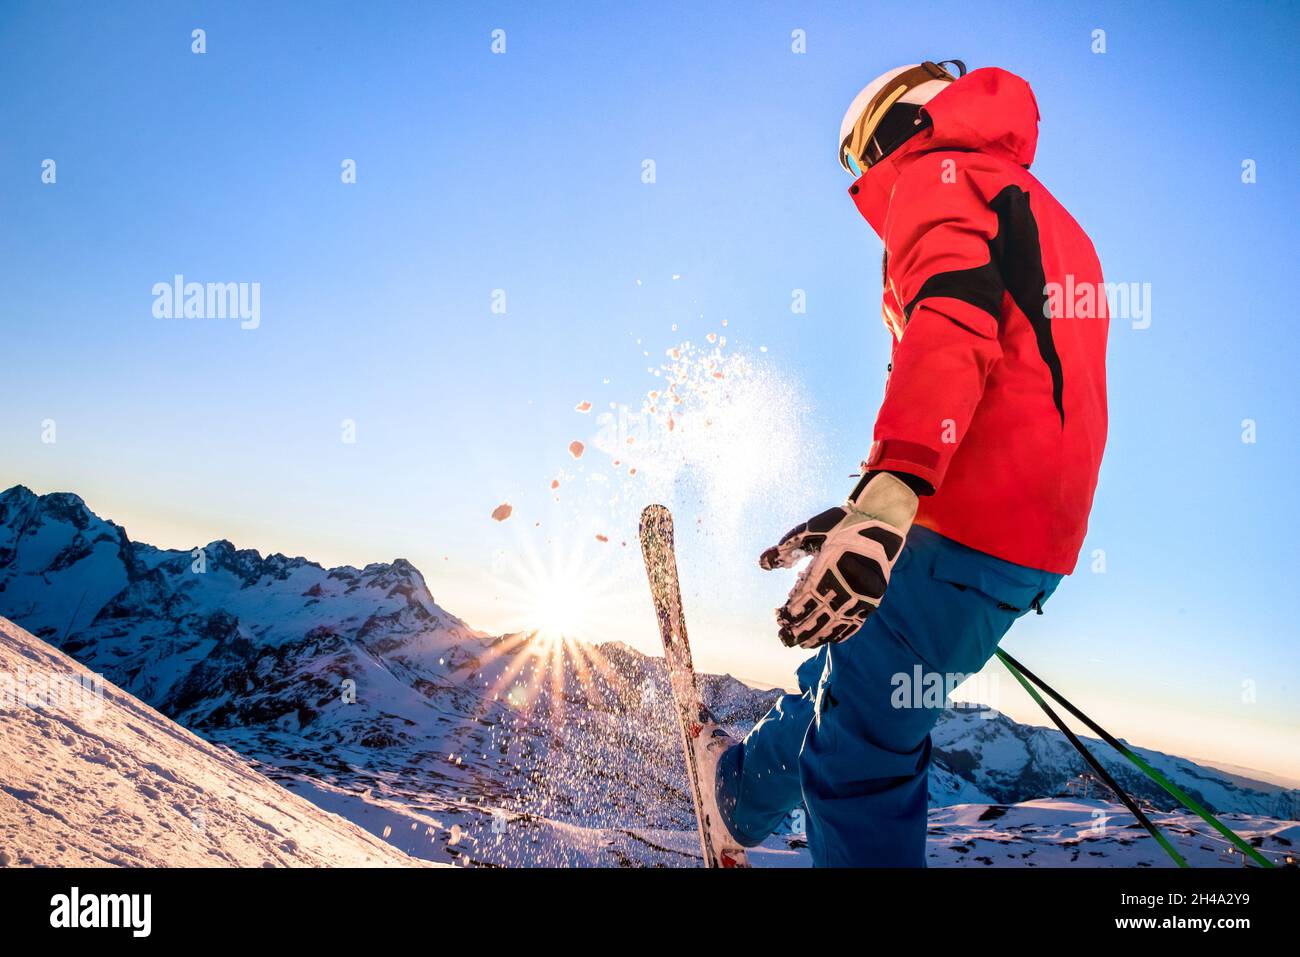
881	127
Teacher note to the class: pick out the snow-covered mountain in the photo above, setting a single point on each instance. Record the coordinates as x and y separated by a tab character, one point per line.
1011	762
90	776
356	689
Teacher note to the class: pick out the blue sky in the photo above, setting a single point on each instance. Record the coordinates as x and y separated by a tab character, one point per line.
523	172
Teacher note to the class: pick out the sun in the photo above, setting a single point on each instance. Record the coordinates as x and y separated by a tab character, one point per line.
561	595
559	608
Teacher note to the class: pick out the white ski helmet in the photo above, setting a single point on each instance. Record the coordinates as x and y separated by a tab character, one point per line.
887	111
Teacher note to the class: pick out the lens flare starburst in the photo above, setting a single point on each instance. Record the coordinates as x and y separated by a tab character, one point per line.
560	605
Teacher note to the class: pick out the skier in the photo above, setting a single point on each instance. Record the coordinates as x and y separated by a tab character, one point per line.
974	500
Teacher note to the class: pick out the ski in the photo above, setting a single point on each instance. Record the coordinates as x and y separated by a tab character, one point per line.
661	569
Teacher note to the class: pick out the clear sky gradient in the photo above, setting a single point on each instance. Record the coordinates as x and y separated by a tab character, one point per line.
523	172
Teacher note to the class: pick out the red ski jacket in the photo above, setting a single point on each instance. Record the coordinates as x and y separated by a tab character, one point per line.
997	390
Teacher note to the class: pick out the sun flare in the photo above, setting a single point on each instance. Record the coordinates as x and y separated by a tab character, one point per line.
561	594
558	609
563	604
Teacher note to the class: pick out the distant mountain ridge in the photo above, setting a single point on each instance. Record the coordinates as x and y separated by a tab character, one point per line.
355	682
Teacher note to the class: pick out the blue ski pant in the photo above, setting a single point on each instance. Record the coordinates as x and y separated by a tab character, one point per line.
854	745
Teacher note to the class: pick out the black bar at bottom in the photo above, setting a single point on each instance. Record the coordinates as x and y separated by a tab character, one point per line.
518	908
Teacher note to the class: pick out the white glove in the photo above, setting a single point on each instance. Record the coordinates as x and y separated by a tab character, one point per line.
853	550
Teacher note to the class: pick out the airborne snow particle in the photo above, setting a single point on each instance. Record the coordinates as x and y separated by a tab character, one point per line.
454	836
502	511
602	538
388	829
712	337
576	449
677	275
583	406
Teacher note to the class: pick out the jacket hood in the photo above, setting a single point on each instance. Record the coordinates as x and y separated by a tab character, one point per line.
989	110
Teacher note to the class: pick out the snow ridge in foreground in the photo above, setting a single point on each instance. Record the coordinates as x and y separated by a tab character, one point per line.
111	782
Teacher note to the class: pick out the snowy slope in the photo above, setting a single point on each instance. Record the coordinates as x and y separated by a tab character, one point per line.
87	780
1049	832
1072	832
354	688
